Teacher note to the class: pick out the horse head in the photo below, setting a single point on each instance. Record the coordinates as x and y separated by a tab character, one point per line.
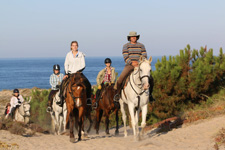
24	109
144	71
78	91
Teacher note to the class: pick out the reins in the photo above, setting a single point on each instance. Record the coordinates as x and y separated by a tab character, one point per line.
138	86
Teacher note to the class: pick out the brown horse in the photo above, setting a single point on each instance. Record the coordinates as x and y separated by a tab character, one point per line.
106	106
76	100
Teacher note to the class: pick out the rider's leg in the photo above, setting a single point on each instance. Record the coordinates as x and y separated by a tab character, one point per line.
88	88
62	87
127	69
151	82
97	97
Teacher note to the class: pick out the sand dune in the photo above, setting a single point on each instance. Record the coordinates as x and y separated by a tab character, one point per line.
196	136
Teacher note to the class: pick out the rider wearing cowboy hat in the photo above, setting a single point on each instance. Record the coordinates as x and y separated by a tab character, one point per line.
15	102
132	51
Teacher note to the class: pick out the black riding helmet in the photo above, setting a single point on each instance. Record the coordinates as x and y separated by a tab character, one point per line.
15	91
108	60
56	67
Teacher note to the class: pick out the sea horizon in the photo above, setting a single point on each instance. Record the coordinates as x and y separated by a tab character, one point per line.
35	72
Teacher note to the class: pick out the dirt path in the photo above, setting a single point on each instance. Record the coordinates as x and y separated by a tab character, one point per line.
197	136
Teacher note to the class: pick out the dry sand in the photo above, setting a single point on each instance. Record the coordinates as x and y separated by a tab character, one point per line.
196	136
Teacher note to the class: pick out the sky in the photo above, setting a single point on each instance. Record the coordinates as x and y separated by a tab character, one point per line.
45	28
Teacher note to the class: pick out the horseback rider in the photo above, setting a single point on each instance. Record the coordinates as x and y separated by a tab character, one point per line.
55	81
15	102
74	62
132	51
105	76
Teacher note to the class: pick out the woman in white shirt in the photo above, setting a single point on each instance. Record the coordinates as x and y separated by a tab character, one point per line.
75	62
15	101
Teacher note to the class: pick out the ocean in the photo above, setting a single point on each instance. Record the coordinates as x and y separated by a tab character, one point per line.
35	72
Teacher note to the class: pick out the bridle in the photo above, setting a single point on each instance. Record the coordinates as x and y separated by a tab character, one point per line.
71	93
138	85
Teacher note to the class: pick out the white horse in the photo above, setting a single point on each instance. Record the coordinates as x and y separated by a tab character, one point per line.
136	95
58	115
22	113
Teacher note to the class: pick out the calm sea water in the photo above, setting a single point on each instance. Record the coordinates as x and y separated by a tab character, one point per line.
35	72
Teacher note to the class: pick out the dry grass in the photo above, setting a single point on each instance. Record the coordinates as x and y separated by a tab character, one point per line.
220	139
214	106
7	146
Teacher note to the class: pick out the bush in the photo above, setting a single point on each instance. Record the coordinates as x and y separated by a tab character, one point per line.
38	108
185	80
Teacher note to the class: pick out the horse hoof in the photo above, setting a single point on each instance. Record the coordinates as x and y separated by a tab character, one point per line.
79	139
72	140
97	132
117	132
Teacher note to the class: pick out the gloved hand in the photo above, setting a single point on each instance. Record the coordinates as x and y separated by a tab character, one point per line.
57	86
19	102
99	87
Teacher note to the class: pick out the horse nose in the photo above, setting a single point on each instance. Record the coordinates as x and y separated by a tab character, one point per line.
146	86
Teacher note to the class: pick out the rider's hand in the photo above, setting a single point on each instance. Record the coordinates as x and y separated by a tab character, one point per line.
57	86
66	76
134	63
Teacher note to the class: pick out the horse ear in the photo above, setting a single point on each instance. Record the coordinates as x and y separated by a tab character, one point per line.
29	100
141	59
150	59
81	80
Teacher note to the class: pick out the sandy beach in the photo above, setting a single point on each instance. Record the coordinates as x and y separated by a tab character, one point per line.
195	136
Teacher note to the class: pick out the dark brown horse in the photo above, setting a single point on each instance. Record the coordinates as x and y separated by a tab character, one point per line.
105	107
76	99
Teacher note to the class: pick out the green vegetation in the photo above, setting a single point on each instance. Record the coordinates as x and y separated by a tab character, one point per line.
38	108
185	80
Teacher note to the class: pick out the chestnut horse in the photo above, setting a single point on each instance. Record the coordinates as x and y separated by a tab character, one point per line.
76	102
106	106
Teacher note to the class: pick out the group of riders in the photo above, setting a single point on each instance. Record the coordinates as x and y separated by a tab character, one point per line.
75	62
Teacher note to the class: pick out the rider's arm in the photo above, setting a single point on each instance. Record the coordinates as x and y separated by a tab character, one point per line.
125	55
66	64
21	98
143	51
82	63
99	77
52	81
113	76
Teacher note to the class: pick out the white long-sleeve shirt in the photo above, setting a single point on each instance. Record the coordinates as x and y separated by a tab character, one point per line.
14	101
73	64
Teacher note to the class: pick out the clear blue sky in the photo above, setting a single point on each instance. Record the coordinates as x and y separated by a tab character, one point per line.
45	28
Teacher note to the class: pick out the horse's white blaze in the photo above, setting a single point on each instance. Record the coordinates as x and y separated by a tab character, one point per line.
78	87
131	98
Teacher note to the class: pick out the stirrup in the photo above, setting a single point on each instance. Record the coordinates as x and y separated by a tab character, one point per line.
116	98
89	102
48	109
95	105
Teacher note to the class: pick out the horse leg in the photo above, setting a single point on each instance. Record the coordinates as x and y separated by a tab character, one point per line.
107	122
91	122
57	122
124	117
144	114
72	138
98	119
64	119
117	123
81	117
131	111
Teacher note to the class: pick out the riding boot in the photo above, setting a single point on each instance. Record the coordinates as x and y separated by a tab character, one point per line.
97	98
151	82
118	90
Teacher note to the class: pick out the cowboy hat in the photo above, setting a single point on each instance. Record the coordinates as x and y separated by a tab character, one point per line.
132	33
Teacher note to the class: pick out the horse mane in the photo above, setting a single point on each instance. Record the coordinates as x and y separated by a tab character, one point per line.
77	79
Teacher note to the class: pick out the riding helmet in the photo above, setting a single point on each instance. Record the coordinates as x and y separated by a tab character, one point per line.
15	91
56	67
108	60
